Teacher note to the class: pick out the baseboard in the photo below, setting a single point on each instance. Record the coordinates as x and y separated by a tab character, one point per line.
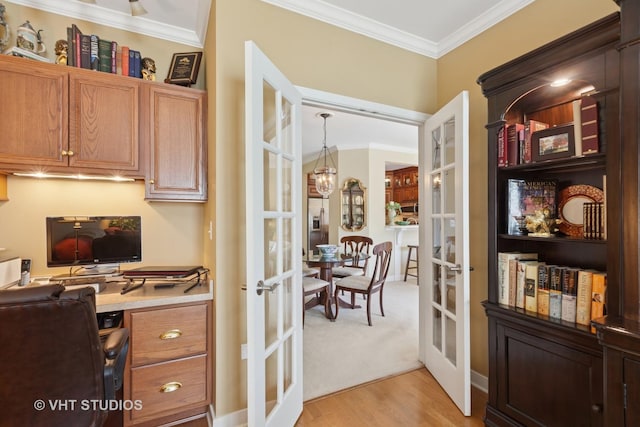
479	381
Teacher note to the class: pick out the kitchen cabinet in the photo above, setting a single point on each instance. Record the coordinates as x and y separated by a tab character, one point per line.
67	120
175	120
405	186
312	191
169	364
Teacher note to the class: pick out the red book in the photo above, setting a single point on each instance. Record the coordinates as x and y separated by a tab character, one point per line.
513	153
530	127
124	68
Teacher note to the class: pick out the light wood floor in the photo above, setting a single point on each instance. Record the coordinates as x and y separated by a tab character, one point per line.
411	399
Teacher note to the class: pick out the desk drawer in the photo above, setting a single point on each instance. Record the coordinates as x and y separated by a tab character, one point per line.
156	386
167	334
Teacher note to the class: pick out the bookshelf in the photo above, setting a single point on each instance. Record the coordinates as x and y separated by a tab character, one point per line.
538	364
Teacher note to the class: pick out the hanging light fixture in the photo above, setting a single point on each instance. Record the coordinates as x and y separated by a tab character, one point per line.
136	8
325	175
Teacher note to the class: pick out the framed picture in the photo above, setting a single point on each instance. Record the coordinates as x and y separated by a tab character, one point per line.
553	143
184	68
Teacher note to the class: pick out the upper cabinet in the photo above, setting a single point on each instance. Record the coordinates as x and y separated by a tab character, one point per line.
177	152
404	185
104	122
61	119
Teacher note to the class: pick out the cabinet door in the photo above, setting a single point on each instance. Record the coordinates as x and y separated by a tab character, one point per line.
34	113
177	138
104	122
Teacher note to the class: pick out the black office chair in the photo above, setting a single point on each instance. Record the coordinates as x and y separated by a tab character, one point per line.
55	369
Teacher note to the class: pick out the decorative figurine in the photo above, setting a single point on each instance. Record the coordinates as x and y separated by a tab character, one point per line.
148	69
30	39
541	224
62	51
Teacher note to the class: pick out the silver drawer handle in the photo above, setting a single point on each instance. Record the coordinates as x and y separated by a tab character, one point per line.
170	387
172	334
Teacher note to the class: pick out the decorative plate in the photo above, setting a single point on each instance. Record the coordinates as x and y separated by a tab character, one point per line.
570	207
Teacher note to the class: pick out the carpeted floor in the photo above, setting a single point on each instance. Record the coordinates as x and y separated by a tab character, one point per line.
348	352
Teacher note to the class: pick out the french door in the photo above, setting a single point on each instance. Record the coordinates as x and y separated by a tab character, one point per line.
444	247
273	243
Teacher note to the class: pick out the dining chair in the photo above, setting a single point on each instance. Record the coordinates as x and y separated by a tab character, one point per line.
368	285
357	266
320	289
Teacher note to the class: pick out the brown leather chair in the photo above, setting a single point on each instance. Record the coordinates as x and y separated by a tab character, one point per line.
55	369
368	285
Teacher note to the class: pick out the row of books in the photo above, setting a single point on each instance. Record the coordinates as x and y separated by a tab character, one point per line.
94	53
593	220
515	139
564	293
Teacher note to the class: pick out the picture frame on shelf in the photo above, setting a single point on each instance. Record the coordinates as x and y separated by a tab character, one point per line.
553	143
184	68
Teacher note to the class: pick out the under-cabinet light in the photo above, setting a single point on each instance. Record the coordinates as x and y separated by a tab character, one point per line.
76	176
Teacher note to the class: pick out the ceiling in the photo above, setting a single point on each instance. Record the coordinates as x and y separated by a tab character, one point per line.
428	27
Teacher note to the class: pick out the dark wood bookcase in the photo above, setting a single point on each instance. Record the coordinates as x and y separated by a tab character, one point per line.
544	371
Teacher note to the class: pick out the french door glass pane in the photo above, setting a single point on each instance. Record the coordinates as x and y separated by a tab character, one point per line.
271	382
435	193
437	293
450	351
270	248
449	141
449	185
435	149
271	316
437	329
269	181
269	113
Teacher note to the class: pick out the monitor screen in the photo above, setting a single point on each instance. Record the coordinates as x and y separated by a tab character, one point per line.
88	240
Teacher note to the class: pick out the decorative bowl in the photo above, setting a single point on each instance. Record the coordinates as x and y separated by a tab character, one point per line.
402	222
327	250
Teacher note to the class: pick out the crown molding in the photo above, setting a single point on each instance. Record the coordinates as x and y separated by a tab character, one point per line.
347	20
124	21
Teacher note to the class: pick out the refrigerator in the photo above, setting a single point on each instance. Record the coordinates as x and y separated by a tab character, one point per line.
317	223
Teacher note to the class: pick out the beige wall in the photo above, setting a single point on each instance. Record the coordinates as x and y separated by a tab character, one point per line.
535	25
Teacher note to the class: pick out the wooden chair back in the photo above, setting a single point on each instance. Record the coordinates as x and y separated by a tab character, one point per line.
357	245
382	254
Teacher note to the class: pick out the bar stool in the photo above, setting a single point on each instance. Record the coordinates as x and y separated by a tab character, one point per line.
412	267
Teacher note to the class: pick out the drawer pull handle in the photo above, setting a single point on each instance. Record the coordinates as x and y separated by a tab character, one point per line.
169	387
172	334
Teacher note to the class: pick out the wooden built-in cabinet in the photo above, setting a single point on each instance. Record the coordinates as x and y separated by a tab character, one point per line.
175	120
71	120
403	185
169	367
545	371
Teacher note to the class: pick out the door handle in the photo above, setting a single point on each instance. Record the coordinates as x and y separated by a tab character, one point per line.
458	268
261	287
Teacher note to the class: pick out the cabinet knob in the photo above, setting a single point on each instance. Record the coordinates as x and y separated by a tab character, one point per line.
151	181
170	387
172	334
596	408
68	153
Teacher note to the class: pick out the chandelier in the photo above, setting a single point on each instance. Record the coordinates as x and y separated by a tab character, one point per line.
325	175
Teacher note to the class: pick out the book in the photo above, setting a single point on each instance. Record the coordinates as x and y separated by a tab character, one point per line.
74	46
137	64
85	51
124	62
525	197
502	147
569	294
589	118
583	298
544	273
512	151
504	275
71	58
114	57
555	292
520	282
104	55
577	126
131	65
93	52
530	126
598	296
531	287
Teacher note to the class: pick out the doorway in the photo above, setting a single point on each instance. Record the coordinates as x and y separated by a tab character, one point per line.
359	124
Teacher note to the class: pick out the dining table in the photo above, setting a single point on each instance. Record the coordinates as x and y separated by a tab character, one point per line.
326	263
